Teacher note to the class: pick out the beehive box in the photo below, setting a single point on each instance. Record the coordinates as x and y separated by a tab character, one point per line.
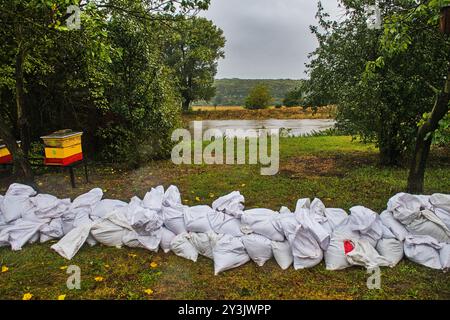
63	148
5	155
62	139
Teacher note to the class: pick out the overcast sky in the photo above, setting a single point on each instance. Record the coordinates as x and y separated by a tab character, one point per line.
266	38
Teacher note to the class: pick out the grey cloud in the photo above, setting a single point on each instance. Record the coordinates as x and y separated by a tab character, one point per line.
266	38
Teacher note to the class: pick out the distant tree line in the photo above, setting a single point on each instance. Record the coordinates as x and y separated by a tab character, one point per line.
233	92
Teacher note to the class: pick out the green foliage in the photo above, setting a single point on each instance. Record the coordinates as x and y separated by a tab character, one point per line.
258	98
233	92
193	52
442	135
142	109
110	79
294	98
380	97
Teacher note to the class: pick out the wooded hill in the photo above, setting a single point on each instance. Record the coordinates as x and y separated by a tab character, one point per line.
232	92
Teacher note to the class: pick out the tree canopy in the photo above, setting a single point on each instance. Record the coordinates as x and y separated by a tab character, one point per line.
258	98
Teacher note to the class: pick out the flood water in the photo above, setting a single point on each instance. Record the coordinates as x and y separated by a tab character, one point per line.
291	127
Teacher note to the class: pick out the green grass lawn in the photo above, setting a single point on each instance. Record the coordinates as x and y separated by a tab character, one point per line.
340	172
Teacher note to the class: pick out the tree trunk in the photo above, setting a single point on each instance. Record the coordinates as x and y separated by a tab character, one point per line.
424	140
22	120
22	167
186	104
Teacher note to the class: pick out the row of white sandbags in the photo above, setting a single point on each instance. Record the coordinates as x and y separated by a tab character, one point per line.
225	232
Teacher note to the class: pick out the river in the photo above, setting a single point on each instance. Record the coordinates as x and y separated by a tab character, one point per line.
291	127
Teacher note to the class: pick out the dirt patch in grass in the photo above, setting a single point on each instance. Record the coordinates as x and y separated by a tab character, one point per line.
336	165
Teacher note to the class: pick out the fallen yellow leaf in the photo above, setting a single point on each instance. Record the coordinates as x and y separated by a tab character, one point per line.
4	269
153	264
98	279
148	291
27	296
62	297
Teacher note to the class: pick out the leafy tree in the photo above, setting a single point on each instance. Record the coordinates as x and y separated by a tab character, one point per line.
193	52
383	106
52	77
404	31
142	109
294	98
258	98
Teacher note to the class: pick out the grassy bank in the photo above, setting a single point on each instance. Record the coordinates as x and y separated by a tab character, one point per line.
341	172
240	113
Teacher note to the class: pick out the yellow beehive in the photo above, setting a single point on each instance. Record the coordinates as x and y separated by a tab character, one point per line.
61	153
4	151
62	139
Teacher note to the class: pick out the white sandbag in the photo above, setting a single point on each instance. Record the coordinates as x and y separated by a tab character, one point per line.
171	197
335	217
288	224
182	247
18	234
404	207
223	223
444	255
204	242
52	230
335	255
196	219
393	225
364	254
166	238
108	233
229	253
427	223
142	220
17	189
441	201
423	250
329	218
173	218
67	220
282	253
306	251
307	220
259	248
82	216
153	200
231	204
443	215
391	249
89	199
304	203
285	210
13	206
149	242
365	222
72	242
106	207
261	221
48	206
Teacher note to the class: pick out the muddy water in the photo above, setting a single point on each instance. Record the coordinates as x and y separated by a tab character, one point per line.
291	127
